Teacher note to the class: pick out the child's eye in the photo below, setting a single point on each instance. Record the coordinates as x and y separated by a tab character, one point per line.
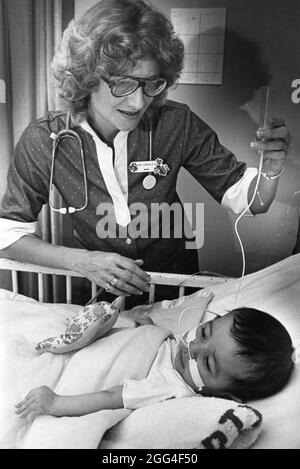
206	361
203	333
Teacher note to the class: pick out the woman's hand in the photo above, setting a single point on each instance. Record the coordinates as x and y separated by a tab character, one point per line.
274	140
98	266
119	275
38	401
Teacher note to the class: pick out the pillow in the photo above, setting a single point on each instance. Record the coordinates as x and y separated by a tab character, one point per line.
186	423
89	324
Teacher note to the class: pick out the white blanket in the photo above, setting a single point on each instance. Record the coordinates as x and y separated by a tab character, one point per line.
105	363
126	353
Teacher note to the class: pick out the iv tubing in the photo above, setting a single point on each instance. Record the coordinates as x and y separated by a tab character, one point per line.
262	124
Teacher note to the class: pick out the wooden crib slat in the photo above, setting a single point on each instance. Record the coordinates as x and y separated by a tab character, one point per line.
122	307
15	284
68	289
41	288
94	289
151	293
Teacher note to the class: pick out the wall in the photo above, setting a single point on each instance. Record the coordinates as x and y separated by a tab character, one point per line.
261	47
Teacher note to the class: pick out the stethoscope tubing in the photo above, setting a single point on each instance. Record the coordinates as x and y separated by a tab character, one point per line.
67	133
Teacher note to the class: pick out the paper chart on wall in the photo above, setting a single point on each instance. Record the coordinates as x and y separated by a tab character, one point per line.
202	31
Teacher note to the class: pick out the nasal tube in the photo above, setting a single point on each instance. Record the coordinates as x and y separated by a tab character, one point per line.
197	380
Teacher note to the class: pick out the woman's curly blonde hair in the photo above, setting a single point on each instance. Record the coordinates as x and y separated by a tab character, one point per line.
108	39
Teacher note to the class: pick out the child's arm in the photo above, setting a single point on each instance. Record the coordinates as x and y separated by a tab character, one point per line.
43	400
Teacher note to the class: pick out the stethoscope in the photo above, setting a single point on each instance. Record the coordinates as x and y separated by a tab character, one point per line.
156	167
57	138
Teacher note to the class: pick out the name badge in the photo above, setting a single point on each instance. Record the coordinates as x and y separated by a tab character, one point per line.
156	166
142	166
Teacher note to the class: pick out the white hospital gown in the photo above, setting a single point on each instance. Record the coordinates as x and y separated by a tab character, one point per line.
163	381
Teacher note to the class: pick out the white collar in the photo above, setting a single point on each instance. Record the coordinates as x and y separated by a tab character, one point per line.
116	179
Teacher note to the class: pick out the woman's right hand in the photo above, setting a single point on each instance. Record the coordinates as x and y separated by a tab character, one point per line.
98	266
103	267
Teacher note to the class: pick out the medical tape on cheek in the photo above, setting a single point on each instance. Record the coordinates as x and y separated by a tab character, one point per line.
191	336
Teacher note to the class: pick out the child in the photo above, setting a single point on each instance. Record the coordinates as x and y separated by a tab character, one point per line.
245	354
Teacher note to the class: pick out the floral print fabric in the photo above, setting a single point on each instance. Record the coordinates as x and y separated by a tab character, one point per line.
92	321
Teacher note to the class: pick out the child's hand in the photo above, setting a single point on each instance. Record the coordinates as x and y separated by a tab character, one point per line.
143	321
38	401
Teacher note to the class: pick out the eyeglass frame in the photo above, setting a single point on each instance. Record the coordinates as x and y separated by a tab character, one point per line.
141	82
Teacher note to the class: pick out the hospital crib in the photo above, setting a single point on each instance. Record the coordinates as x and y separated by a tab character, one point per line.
181	281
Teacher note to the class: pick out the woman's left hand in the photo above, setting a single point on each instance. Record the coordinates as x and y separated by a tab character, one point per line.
275	141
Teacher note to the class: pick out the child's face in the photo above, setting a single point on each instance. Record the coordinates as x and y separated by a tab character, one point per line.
215	351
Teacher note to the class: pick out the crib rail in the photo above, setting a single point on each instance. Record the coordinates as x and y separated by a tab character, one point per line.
157	278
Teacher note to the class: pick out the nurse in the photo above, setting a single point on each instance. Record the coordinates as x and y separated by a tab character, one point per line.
113	70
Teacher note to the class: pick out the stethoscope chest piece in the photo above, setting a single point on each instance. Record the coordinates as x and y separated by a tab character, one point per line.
149	182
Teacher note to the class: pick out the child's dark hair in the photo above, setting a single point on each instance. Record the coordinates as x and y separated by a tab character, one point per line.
267	348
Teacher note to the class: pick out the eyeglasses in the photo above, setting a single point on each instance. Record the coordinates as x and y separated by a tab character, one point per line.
124	86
